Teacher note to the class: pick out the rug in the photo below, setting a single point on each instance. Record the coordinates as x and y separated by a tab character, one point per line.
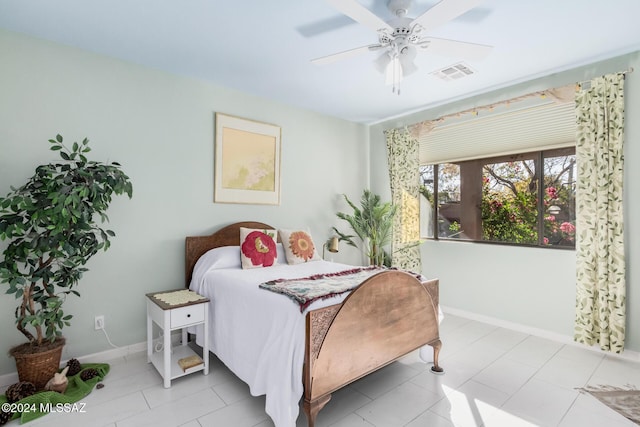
625	401
44	402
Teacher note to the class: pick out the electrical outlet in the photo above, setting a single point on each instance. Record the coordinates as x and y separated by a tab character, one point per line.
99	322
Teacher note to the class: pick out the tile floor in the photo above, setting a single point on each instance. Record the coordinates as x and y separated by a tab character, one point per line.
493	377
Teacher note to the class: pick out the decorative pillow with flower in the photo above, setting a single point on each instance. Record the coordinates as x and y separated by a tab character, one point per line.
258	247
298	246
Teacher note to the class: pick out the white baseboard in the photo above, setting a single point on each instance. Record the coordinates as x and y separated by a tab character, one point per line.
114	353
542	333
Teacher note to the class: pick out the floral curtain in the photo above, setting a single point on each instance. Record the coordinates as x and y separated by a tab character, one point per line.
402	153
600	270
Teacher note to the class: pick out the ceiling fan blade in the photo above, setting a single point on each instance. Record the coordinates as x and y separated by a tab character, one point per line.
361	14
444	12
344	55
324	25
446	47
475	16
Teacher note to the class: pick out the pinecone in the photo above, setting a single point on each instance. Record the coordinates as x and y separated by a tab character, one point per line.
74	367
5	417
88	373
19	391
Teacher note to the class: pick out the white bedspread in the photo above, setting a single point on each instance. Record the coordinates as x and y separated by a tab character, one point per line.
259	334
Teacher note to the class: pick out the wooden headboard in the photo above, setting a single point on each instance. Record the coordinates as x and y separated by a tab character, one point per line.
196	246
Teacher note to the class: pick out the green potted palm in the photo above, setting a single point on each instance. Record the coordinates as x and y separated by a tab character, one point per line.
372	223
51	223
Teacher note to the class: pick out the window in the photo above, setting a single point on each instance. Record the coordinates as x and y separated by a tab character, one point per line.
500	199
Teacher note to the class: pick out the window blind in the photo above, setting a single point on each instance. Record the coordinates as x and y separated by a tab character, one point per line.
514	130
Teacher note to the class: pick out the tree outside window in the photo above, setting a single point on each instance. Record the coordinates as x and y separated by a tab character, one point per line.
500	200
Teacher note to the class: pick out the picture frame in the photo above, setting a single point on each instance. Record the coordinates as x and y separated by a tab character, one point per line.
247	161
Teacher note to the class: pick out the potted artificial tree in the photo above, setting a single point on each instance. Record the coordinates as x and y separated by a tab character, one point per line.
51	225
373	224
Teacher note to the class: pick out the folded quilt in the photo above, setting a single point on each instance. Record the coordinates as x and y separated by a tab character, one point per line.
306	290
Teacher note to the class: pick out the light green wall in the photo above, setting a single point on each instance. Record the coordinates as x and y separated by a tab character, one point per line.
529	286
160	128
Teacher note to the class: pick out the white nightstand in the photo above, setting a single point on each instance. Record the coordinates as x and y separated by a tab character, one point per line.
172	310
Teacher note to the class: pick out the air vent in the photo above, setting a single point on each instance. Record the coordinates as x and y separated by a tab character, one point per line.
454	72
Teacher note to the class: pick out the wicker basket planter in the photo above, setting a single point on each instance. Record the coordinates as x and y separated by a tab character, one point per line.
38	364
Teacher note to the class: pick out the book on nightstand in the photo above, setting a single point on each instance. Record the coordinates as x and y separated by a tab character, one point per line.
191	363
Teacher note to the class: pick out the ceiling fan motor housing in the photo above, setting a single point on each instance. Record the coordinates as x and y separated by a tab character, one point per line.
403	33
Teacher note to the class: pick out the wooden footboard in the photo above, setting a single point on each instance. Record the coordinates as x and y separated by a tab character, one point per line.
386	317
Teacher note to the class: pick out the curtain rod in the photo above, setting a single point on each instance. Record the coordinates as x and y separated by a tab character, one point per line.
587	83
625	72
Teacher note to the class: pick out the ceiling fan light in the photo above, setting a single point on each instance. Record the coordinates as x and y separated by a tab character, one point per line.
406	56
408	67
381	62
409	52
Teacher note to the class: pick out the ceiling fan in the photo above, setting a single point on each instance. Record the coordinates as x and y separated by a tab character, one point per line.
401	37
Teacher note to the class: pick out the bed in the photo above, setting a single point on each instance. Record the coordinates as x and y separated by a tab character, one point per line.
287	353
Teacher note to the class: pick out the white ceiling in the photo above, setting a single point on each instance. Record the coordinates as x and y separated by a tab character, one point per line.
265	47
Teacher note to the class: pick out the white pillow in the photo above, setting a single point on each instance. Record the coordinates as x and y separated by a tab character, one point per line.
299	246
280	249
222	257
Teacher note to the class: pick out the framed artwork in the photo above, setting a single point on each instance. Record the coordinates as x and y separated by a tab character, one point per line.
247	161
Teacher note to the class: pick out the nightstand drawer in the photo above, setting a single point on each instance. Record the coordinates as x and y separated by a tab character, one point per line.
187	315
